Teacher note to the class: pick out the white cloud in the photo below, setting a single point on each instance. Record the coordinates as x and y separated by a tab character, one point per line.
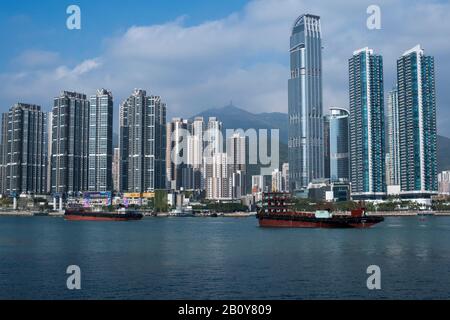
37	58
86	66
242	57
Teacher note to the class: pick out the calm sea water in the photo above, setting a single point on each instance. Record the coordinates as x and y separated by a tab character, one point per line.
222	258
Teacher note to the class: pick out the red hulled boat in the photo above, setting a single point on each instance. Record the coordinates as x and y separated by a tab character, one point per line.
276	211
84	214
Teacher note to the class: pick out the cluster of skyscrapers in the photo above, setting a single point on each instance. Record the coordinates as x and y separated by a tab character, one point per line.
70	149
201	157
377	155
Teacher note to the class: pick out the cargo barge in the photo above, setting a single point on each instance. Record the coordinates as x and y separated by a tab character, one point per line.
83	214
276	211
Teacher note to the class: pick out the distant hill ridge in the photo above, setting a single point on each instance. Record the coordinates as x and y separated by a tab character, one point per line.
236	118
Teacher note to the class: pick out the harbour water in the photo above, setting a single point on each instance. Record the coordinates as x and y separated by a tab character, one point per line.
222	258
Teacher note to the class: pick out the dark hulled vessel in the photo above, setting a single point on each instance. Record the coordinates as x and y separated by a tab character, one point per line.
84	214
277	211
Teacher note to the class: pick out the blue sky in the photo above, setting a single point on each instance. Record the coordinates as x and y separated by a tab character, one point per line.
202	54
35	24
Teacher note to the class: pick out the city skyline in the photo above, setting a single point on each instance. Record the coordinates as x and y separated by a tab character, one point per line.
46	69
72	106
246	150
149	146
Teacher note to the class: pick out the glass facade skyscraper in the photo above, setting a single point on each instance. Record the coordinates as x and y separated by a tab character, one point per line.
367	141
180	170
143	143
70	143
339	159
326	146
23	151
305	145
100	141
393	161
417	123
123	146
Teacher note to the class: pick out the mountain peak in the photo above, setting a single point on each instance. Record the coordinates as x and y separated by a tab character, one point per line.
233	117
229	108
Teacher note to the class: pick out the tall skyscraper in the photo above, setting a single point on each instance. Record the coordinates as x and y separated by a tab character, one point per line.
338	143
217	178
100	141
197	132
70	143
49	150
197	145
367	150
306	154
236	151
417	123
180	168
393	157
215	170
285	176
123	146
213	137
24	150
116	169
160	114
143	142
326	146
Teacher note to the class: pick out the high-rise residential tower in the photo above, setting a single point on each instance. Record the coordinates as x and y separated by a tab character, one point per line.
306	154
24	150
217	178
367	149
179	148
197	132
338	143
235	148
393	157
215	170
285	176
115	169
49	150
70	143
123	147
236	151
326	146
100	141
143	142
213	137
417	123
197	146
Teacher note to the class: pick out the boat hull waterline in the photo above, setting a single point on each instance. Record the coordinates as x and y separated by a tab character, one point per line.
101	216
287	221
